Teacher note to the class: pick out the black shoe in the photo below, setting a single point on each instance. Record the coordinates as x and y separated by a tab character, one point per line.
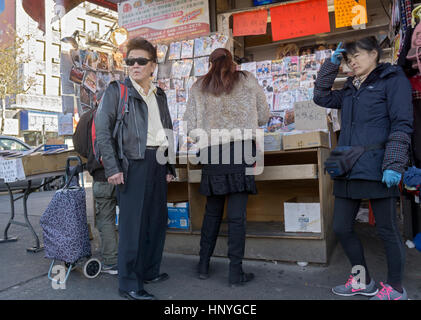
160	278
244	277
203	270
136	295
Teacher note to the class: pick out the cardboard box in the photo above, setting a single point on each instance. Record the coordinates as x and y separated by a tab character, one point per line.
178	215
302	215
273	141
38	163
306	140
33	164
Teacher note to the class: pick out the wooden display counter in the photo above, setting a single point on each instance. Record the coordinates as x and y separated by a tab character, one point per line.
287	175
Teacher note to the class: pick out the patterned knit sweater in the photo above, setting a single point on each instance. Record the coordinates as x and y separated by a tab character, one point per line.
244	108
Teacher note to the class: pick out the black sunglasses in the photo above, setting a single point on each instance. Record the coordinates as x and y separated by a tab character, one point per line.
140	61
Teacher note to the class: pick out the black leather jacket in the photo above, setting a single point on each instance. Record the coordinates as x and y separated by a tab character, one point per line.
135	128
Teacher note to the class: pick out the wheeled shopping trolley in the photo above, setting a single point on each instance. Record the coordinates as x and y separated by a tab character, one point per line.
65	227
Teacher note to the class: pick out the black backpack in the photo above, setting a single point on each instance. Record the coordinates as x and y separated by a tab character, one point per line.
84	138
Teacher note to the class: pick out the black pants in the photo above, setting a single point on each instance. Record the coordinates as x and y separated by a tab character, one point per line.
142	222
236	214
385	215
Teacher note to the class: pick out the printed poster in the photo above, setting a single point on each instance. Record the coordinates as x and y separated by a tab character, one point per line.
169	20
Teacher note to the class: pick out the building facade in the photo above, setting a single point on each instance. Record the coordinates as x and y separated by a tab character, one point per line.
38	109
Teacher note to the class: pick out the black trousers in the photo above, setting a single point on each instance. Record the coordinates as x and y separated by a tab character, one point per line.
142	222
236	214
385	215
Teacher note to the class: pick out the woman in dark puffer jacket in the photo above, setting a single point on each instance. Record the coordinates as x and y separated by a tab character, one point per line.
376	110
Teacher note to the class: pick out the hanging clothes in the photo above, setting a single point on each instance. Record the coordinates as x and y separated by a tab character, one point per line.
405	8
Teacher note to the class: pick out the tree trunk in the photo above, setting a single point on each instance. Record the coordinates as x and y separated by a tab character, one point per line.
3	114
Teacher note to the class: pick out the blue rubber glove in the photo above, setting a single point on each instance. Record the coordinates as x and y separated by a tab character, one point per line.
336	57
391	178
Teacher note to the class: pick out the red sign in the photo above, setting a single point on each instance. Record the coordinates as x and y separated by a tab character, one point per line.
299	19
250	23
7	23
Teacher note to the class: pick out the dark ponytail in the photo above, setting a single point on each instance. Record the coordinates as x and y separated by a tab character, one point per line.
223	75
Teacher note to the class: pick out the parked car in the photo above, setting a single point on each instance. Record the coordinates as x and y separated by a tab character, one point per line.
15	144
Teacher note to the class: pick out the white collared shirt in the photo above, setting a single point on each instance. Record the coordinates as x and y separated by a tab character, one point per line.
154	118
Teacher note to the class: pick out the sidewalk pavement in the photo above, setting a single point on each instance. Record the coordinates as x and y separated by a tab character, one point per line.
23	275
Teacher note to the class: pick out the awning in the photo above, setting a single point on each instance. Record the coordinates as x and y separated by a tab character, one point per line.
36	8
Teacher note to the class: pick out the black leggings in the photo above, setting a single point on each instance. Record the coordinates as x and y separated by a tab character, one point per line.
236	216
385	215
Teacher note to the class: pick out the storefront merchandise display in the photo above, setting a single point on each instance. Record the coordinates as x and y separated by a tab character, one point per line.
91	73
179	65
287	81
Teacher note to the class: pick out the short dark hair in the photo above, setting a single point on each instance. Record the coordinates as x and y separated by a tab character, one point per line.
142	44
367	44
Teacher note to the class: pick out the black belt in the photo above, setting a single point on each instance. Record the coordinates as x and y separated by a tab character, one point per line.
152	147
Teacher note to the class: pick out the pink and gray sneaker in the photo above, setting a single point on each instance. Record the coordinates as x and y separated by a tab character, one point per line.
351	289
388	293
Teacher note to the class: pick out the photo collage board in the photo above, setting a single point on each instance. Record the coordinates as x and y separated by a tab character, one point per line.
285	82
179	65
92	71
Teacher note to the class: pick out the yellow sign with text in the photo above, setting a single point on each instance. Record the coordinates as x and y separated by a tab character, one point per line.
350	13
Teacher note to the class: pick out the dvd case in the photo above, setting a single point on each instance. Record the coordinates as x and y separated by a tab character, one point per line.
201	66
277	67
218	41
266	84
175	51
198	47
187	49
161	52
263	69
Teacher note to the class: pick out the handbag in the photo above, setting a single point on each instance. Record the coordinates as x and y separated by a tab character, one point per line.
343	158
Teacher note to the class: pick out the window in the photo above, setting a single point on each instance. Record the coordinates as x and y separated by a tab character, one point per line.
55	87
39	50
109	29
81	24
95	26
8	144
56	26
55	52
40	87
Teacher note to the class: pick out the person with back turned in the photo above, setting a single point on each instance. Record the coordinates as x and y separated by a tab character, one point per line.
226	100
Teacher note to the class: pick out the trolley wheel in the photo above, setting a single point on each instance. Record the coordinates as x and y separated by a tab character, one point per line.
92	268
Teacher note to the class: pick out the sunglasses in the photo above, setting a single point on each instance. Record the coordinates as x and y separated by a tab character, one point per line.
140	61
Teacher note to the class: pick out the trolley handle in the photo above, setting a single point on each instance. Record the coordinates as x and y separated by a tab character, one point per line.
70	173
